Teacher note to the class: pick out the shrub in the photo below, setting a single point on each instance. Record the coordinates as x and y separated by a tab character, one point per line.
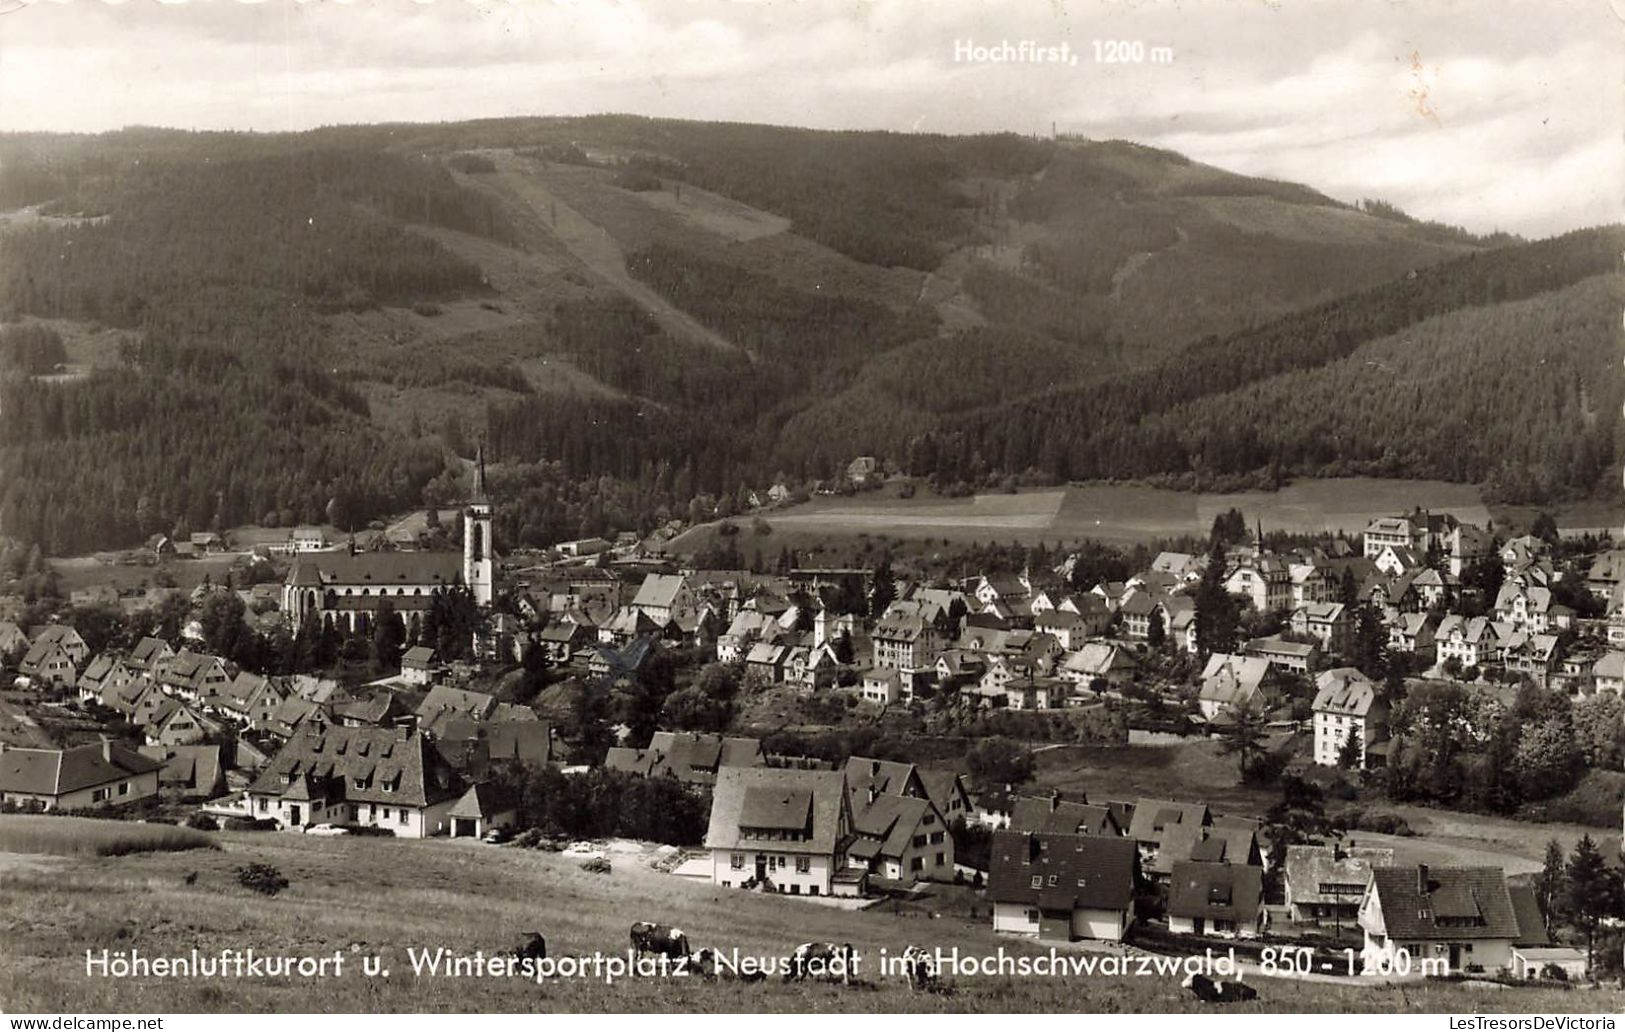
202	822
368	830
250	824
597	865
262	878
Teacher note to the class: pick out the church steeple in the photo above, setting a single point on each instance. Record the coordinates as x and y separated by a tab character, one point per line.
478	553
478	494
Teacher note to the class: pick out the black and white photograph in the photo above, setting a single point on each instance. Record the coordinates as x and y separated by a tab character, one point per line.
812	507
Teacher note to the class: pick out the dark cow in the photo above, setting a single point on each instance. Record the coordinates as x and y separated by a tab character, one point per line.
532	947
658	940
821	961
1209	990
920	965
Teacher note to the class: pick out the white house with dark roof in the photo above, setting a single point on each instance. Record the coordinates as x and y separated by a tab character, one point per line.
83	777
1062	888
1219	899
899	834
1324	884
1346	703
1466	917
783	830
381	777
1232	681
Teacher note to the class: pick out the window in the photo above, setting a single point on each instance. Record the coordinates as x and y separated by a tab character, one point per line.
123	788
406	817
812	890
99	795
939	859
1052	881
736	862
1038	881
803	865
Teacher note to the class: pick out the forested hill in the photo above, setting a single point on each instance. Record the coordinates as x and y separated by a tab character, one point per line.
646	317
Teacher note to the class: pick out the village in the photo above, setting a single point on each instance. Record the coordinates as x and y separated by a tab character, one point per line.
611	660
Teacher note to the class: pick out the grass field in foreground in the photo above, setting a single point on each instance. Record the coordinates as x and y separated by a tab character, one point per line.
86	836
383	896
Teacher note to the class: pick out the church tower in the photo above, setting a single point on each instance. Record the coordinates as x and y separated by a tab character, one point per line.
478	567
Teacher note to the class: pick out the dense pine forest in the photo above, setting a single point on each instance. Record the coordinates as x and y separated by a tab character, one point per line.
207	330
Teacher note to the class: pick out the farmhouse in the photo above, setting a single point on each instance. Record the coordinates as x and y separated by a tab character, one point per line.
1220	899
782	830
84	777
1464	916
1062	887
381	777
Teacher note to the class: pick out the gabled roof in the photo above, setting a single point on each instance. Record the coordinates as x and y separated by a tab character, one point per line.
361	764
366	569
1232	680
1054	816
444	701
60	771
1062	872
691	757
418	656
1308	868
186	766
659	590
1344	691
1215	892
1421	903
812	804
1152	818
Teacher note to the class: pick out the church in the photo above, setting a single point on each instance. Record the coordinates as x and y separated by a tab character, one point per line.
347	587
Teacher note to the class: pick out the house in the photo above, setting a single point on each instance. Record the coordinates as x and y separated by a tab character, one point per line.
1474	642
904	640
1233	682
1098	662
562	640
949	794
782	830
68	638
1265	580
1435	588
1290	656
189	771
1464	545
581	547
1027	691
1608	673
811	666
484	808
1465	917
149	654
1324	884
662	597
689	757
765	662
1524	606
863	469
881	686
1398	560
473	747
379	777
1329	623
47	663
1414	633
83	777
1136	612
1606	574
1347	704
177	723
1061	888
447	703
193	676
1221	842
898	832
12	639
1153	821
249	699
628	625
1225	900
1535	656
419	665
1053	815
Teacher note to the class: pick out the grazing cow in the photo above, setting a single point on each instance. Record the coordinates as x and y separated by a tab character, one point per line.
1209	990
532	947
658	940
920	965
823	961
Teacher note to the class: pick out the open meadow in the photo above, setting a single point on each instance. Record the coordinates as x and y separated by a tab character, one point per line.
369	896
1117	513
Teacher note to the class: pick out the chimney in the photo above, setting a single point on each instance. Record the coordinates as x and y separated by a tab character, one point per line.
1054	800
1422	879
107	749
874	768
872	793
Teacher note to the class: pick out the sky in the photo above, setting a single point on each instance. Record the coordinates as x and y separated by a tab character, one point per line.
1490	114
